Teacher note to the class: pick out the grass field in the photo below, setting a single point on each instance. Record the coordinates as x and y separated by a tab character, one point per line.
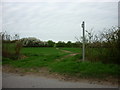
51	58
36	57
74	50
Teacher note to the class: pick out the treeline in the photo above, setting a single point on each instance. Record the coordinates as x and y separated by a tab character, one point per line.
33	42
12	44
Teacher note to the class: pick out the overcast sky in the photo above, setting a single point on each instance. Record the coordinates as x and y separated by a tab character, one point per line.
57	21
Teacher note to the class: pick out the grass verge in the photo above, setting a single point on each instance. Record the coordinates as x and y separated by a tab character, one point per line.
85	69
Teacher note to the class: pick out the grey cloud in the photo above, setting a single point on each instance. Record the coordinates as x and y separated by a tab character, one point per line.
57	21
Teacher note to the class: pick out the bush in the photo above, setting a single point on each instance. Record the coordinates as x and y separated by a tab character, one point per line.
106	48
11	48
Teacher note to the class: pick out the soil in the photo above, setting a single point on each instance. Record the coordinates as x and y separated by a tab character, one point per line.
71	54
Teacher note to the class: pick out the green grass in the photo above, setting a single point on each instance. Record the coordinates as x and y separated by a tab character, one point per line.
46	57
74	50
36	57
85	69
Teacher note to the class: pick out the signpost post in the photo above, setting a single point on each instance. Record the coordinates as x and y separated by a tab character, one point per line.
83	52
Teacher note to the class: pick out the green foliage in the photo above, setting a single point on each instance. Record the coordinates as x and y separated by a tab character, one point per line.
69	44
60	44
51	43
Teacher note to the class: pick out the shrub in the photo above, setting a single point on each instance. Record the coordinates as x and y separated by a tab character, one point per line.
10	48
106	47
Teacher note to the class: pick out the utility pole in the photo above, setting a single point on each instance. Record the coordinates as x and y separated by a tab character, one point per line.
83	52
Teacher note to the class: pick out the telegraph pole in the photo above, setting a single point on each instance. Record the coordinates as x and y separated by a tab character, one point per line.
83	52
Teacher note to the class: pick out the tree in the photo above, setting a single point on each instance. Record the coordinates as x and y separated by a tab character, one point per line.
31	42
51	43
69	44
60	44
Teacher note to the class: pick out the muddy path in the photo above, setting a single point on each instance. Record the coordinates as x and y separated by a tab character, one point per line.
66	56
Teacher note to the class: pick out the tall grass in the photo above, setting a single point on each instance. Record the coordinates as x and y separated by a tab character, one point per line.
105	48
10	48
